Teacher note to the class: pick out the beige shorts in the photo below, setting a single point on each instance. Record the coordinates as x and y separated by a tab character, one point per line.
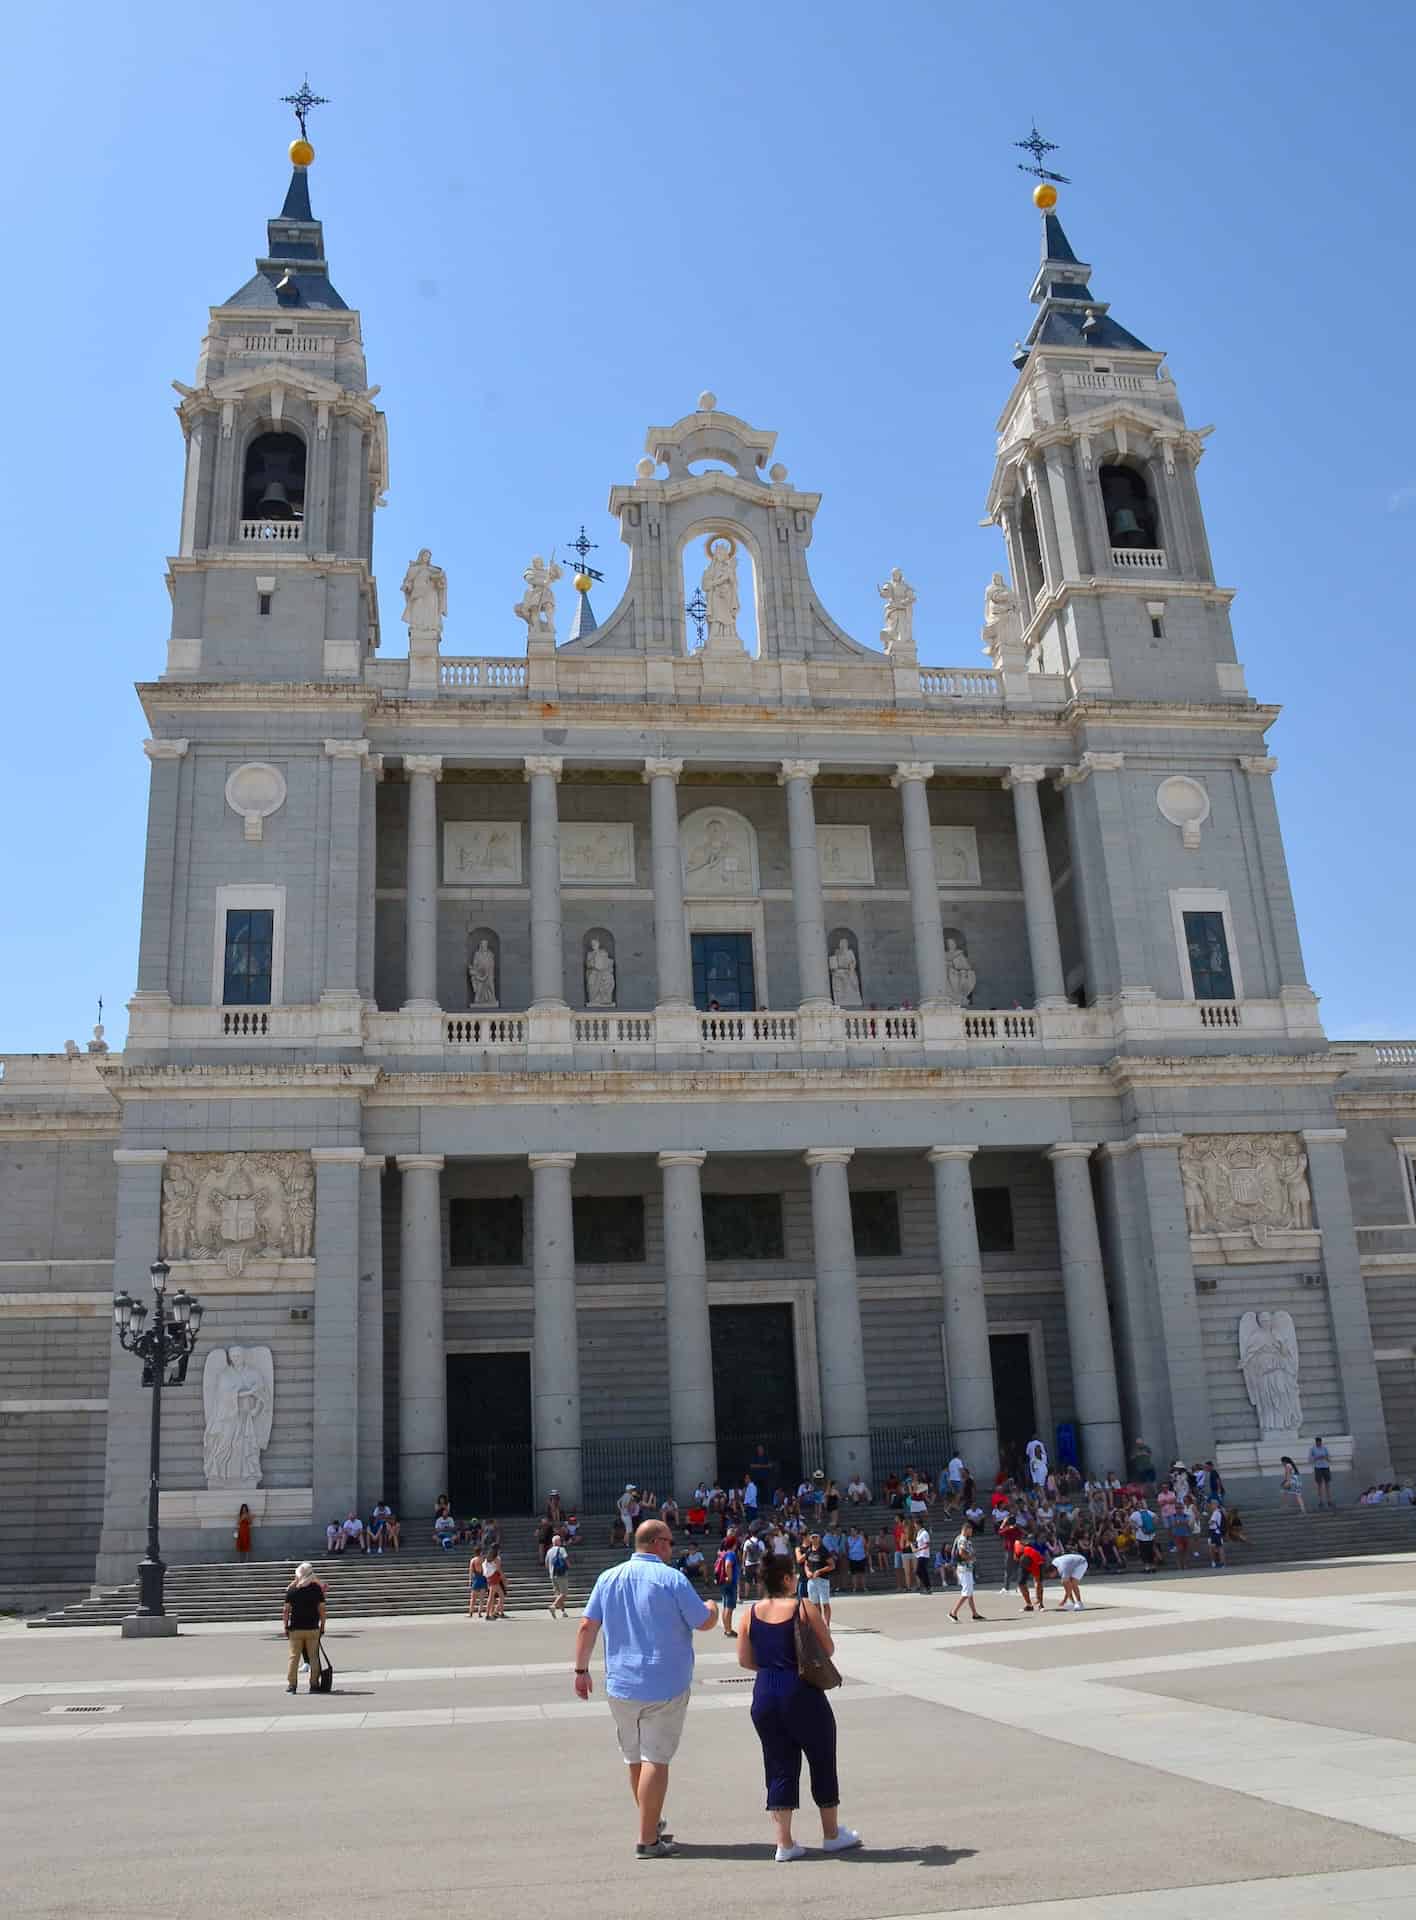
649	1729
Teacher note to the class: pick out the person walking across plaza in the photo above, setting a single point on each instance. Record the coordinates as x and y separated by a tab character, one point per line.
649	1613
557	1569
303	1619
964	1568
792	1718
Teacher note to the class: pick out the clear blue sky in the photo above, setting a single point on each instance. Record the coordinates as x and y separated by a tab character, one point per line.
561	222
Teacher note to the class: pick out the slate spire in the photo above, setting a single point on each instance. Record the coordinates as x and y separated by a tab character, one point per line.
1068	315
294	273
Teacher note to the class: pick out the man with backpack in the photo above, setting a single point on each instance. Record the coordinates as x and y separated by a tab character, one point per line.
557	1567
725	1574
303	1618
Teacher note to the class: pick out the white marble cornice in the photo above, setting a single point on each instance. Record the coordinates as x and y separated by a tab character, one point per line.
165	749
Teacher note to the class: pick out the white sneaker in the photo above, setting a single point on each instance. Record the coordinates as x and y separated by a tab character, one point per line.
793	1852
845	1838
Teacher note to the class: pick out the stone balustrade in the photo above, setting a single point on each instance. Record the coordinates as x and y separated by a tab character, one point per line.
490	674
1146	559
289	533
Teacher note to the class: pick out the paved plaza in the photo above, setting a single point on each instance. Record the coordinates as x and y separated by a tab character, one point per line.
1244	1734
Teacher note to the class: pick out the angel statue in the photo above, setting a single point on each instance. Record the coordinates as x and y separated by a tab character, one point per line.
238	1399
1268	1359
537	606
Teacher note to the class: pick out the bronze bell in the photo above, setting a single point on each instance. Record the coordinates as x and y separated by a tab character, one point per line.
1124	525
274	503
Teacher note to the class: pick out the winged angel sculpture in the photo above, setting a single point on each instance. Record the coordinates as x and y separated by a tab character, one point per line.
238	1399
1268	1358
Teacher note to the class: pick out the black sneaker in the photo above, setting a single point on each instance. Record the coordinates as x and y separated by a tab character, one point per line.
660	1849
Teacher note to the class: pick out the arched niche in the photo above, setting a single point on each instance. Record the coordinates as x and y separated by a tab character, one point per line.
597	978
485	989
719	851
747	559
273	475
847	987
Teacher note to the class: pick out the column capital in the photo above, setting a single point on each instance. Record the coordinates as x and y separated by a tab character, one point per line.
662	770
828	1156
419	1162
423	763
683	1157
798	770
1071	1150
140	1156
936	1154
535	763
1256	763
165	749
538	1160
347	749
906	770
1310	1136
373	763
337	1156
1145	1141
1024	776
375	1162
1089	764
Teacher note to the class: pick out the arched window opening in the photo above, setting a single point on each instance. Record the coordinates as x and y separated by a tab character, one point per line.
1129	509
273	487
1032	547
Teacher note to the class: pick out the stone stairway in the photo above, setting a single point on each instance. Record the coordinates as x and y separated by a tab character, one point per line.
423	1580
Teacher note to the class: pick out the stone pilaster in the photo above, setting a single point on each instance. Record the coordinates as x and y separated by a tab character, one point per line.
543	771
1347	1303
910	777
1089	1343
371	1333
845	1415
970	1367
368	872
155	933
422	1349
671	951
808	908
692	1423
336	1346
1049	988
343	916
423	771
555	1351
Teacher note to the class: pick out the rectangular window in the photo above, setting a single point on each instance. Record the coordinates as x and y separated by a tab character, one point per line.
743	1226
722	973
263	601
1208	947
250	949
875	1224
993	1215
486	1233
608	1229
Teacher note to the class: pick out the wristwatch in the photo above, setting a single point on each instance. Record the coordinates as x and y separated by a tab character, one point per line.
580	1670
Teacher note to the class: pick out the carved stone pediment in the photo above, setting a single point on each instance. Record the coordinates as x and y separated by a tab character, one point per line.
234	1207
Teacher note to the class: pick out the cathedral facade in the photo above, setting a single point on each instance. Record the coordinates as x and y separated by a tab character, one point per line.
700	1028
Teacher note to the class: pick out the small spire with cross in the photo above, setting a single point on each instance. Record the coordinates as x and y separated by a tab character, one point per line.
580	546
1037	147
303	102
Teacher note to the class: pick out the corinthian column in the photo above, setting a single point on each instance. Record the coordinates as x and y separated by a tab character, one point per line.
671	955
547	986
422	772
692	1424
910	777
1049	988
555	1350
808	910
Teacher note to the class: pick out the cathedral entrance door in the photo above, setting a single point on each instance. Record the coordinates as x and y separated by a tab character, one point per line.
755	1390
1014	1402
489	1433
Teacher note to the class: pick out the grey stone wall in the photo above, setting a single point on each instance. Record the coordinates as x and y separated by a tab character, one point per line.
251	1320
1249	1290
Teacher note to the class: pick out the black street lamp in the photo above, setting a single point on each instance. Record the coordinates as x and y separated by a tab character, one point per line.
164	1350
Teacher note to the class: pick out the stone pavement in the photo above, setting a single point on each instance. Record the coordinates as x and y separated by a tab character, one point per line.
1245	1735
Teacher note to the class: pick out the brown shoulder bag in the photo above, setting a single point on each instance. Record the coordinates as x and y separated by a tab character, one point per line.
814	1664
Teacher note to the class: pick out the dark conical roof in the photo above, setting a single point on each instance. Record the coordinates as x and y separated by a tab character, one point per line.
1068	315
584	621
294	273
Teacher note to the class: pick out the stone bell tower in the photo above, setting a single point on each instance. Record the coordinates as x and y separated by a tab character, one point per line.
287	457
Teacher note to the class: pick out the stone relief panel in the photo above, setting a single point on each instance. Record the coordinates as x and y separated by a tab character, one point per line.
238	1400
485	852
719	853
845	856
255	791
594	852
956	856
1247	1193
235	1207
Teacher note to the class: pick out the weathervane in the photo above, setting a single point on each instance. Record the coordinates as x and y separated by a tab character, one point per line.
697	611
1037	147
582	545
302	102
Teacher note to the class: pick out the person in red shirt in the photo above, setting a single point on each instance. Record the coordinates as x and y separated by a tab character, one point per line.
1009	1532
1030	1566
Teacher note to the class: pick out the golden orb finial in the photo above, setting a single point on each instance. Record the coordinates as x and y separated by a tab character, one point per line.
1045	196
583	583
301	153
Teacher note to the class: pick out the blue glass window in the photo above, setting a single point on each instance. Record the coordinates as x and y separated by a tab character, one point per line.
722	973
1208	946
250	944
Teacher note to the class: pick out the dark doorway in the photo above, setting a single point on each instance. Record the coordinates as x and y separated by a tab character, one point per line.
722	972
755	1391
1014	1404
489	1432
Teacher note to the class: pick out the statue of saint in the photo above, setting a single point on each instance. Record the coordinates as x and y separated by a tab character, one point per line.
537	606
482	975
1292	1171
845	975
1000	603
238	1399
179	1200
899	597
599	976
1197	1211
424	597
300	1212
720	591
1268	1359
959	976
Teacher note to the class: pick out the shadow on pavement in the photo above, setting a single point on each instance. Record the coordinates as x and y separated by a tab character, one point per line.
861	1856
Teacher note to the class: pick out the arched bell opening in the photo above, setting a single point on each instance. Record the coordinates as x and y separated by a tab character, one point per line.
273	480
1131	518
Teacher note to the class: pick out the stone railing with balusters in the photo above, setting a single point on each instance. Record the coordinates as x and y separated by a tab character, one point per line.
486	674
888	1028
286	533
490	1031
961	683
1220	1013
1016	1025
1147	559
286	343
749	1029
613	1029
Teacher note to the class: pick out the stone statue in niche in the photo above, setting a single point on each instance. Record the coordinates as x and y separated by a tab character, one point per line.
1246	1183
537	606
845	975
720	591
599	976
960	979
424	601
482	975
238	1400
1268	1359
897	630
235	1207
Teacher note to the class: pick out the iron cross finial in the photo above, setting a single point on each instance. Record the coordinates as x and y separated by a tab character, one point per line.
1037	147
302	102
583	544
697	611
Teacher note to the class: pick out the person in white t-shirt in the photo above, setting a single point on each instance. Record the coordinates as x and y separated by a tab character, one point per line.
922	1549
1071	1570
964	1568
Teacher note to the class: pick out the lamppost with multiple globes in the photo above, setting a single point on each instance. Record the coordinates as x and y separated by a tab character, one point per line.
164	1349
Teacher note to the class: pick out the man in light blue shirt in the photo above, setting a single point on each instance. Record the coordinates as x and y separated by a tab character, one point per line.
650	1614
